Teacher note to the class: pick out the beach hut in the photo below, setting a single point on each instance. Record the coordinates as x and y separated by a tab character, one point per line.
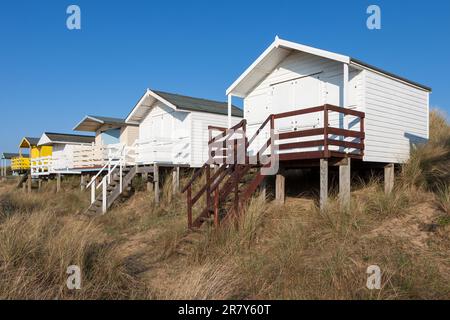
174	128
5	162
169	131
111	135
28	150
306	107
61	158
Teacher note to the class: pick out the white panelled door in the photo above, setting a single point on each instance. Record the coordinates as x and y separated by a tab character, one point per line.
295	95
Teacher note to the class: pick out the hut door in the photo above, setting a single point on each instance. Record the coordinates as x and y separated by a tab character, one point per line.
295	95
307	94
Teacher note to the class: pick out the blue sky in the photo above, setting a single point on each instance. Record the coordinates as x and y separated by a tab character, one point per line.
51	77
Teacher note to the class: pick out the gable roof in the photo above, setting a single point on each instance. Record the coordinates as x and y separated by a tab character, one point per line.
93	123
27	142
9	155
49	138
179	102
279	50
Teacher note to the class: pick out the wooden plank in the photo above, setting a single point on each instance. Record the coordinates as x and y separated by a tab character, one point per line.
338	154
301	155
346	133
346	144
263	189
82	182
58	182
298	112
303	144
211	183
259	130
196	174
389	178
216	207
323	183
208	187
223	129
175	180
280	182
29	183
302	133
346	111
189	205
156	183
345	184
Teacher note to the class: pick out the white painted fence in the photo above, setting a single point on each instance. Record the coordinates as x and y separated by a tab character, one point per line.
164	150
94	156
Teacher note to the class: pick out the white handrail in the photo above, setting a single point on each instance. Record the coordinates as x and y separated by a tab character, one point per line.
116	160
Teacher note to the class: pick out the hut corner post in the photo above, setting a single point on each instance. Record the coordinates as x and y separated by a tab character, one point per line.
230	99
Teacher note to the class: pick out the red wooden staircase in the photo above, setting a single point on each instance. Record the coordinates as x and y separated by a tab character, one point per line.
224	188
234	171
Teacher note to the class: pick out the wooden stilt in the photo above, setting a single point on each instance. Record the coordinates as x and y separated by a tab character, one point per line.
344	183
216	208
175	180
82	182
263	189
39	184
323	183
29	183
58	182
156	182
389	177
208	189
280	182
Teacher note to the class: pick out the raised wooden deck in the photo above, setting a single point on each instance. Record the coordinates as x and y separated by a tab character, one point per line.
234	155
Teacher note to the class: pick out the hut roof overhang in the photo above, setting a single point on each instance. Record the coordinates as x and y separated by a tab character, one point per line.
280	49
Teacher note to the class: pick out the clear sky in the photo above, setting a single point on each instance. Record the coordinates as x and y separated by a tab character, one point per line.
50	77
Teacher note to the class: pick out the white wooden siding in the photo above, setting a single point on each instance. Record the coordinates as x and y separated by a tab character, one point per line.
164	136
323	84
62	156
129	134
396	116
199	134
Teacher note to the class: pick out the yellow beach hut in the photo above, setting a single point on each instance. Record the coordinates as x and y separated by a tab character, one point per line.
28	151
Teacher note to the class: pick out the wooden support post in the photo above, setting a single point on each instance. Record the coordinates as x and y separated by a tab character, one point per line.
175	180
189	206
29	181
146	178
82	182
280	182
263	189
389	176
208	187
323	183
216	208
344	183
58	182
156	182
39	184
